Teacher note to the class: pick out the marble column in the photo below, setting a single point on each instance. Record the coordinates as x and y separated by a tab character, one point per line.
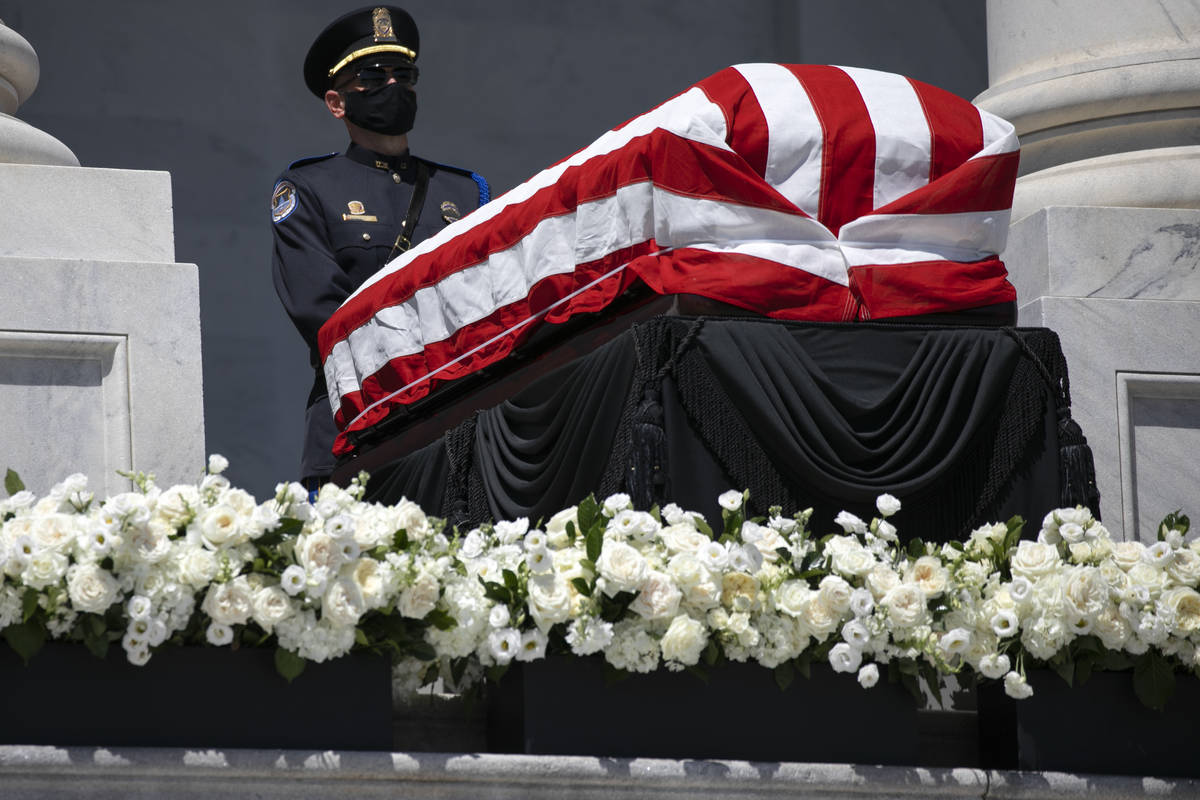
1105	241
99	327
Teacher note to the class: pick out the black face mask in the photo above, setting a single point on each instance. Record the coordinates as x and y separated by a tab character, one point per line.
390	109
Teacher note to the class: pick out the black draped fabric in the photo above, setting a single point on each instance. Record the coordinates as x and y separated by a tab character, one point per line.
962	424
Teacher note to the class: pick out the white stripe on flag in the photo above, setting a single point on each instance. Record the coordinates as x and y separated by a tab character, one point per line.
690	115
903	149
795	139
911	238
999	136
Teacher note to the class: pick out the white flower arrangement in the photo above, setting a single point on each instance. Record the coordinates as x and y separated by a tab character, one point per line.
207	564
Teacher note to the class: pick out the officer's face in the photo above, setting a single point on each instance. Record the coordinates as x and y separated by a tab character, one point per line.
366	75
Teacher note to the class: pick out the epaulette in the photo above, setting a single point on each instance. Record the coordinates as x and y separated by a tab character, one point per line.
485	191
300	162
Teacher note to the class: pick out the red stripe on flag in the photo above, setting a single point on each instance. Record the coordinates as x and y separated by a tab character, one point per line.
957	131
848	158
901	290
981	184
745	122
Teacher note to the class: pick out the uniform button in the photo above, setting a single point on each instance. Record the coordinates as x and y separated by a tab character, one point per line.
366	237
396	177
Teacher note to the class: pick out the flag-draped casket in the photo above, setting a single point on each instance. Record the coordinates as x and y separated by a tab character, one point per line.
798	192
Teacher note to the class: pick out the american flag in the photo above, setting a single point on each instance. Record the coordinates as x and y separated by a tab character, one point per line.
800	192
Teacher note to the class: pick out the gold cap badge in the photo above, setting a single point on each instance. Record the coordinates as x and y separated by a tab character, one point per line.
382	21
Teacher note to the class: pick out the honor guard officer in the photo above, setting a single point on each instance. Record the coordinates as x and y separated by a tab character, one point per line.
338	218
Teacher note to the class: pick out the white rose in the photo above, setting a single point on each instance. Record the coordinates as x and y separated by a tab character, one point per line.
1085	592
419	599
622	567
684	640
343	603
318	550
1185	567
905	604
556	528
217	464
91	588
616	502
270	607
178	505
55	531
549	600
844	658
739	591
1185	603
683	538
473	544
881	579
659	597
197	566
835	593
928	573
229	603
854	561
887	505
1148	576
819	617
1034	559
369	577
1127	554
219	525
43	568
792	598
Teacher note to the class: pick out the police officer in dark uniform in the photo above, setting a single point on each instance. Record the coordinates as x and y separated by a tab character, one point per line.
339	218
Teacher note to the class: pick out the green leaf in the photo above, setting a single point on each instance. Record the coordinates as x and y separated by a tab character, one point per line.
400	539
26	639
803	664
422	651
12	482
588	514
1153	680
1175	520
29	604
571	532
1015	524
582	586
494	591
916	548
496	672
595	543
785	673
1064	665
288	664
442	620
697	672
510	580
360	638
711	653
703	526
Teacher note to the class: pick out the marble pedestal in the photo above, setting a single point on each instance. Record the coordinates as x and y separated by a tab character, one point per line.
99	329
1121	287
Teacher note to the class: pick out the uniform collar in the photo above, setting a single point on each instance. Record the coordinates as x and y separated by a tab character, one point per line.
404	163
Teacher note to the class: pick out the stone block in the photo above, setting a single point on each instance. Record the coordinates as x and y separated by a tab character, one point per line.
82	213
100	370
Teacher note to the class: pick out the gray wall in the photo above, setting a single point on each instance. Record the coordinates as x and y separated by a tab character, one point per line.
211	92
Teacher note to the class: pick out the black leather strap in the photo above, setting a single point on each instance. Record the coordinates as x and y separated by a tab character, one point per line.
415	204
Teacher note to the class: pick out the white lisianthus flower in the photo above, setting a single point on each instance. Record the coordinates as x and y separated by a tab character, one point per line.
856	634
886	531
868	676
293	580
862	602
500	616
533	646
887	505
622	567
1004	624
714	556
539	561
511	532
850	523
91	588
994	665
1016	687
556	528
219	634
217	464
139	607
844	658
616	502
588	636
1158	555
730	500
503	644
536	540
1071	533
684	640
955	642
473	544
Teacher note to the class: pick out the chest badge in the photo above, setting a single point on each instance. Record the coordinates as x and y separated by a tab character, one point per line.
450	212
358	213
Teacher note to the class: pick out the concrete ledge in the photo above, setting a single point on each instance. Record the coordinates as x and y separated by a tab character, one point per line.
28	772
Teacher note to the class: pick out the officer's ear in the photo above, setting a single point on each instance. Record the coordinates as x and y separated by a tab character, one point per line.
335	103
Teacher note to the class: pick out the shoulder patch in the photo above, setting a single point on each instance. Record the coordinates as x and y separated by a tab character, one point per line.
283	201
300	162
